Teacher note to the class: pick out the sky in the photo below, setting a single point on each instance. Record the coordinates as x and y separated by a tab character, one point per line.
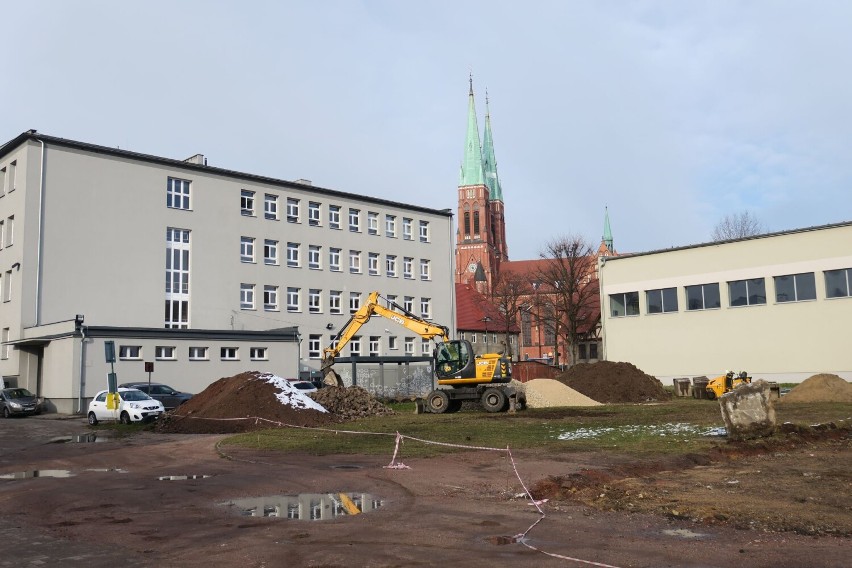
669	114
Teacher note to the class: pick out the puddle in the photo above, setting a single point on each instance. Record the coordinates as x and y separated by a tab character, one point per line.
501	540
108	469
182	477
347	466
306	506
37	473
91	437
684	533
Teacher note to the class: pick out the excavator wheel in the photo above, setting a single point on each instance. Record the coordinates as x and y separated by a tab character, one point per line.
455	406
494	400
711	395
438	402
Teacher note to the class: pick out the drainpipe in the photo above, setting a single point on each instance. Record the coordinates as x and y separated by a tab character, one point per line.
40	237
82	369
602	263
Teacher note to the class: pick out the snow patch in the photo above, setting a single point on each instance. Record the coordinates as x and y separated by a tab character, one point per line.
290	395
663	430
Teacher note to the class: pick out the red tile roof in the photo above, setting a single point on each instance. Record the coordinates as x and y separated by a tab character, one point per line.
472	307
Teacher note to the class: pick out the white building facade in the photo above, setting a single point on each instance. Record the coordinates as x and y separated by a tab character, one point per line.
775	305
204	271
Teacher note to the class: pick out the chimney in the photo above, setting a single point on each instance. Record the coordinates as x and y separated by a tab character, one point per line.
197	159
304	181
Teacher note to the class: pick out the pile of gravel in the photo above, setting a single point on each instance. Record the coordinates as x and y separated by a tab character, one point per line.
547	393
824	387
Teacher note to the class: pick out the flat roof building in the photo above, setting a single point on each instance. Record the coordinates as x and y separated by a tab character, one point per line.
205	271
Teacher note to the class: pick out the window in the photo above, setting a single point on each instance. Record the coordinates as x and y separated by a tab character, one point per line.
408	303
355	261
373	263
229	354
426	308
425	272
334	302
406	229
2	182
247	203
177	193
372	223
390	265
270	206
177	278
270	252
292	210
581	351
703	297
10	231
795	287
593	350
374	346
4	337
390	226
197	353
164	353
391	298
747	292
2	233
392	345
354	302
409	346
314	252
257	353
13	174
7	286
293	254
246	249
129	352
355	220
424	231
314	301
626	304
334	216
334	259
355	346
270	298
246	296
662	301
837	283
314	347
408	267
293	299
424	347
314	213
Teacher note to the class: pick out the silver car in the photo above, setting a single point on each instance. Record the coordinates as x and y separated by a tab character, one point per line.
133	406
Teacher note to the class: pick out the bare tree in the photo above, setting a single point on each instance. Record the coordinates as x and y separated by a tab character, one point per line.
737	226
508	294
568	292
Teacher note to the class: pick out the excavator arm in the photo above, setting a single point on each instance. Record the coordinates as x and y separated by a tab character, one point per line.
370	308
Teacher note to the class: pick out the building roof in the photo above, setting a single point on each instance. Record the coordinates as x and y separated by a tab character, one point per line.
471	169
472	308
495	191
203	167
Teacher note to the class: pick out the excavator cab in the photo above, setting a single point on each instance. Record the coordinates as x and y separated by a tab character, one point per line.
454	359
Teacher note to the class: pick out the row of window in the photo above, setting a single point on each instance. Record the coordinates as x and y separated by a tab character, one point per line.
316	302
484	337
8	178
178	196
750	292
373	345
248	251
169	353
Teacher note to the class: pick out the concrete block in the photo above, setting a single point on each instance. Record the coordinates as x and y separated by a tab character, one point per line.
749	411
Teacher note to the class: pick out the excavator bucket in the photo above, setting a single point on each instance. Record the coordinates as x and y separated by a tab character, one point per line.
329	376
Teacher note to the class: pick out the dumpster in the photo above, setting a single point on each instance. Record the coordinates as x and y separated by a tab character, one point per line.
699	387
682	387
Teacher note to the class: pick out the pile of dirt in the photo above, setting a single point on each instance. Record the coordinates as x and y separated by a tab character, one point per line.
823	387
348	403
547	393
612	382
223	406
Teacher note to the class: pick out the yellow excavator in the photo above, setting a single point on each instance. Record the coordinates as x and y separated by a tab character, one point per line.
726	383
461	375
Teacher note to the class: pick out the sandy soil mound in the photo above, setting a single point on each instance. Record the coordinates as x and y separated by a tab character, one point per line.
546	393
348	403
609	381
247	394
823	387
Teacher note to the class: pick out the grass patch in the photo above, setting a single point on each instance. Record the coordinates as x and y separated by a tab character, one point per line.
672	427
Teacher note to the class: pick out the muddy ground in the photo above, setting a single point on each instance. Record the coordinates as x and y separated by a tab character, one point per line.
452	510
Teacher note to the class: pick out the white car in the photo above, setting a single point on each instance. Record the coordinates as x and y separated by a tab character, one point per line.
133	406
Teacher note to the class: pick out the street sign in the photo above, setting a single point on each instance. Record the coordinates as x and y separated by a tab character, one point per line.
109	351
149	366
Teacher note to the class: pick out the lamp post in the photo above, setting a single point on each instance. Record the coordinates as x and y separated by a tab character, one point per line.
485	320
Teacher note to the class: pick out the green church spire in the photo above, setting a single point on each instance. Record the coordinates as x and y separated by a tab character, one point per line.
471	168
490	162
607	236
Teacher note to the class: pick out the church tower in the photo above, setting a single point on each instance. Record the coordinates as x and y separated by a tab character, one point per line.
481	236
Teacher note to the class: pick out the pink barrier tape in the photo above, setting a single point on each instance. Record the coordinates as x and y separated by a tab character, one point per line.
400	439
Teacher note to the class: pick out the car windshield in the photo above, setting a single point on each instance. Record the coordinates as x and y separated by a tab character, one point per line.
134	395
18	393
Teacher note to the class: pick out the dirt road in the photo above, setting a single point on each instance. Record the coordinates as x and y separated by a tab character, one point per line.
115	510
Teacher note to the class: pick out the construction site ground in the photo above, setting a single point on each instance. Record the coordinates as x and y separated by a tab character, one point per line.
784	503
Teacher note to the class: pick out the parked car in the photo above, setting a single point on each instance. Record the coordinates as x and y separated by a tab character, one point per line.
16	401
133	406
170	397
